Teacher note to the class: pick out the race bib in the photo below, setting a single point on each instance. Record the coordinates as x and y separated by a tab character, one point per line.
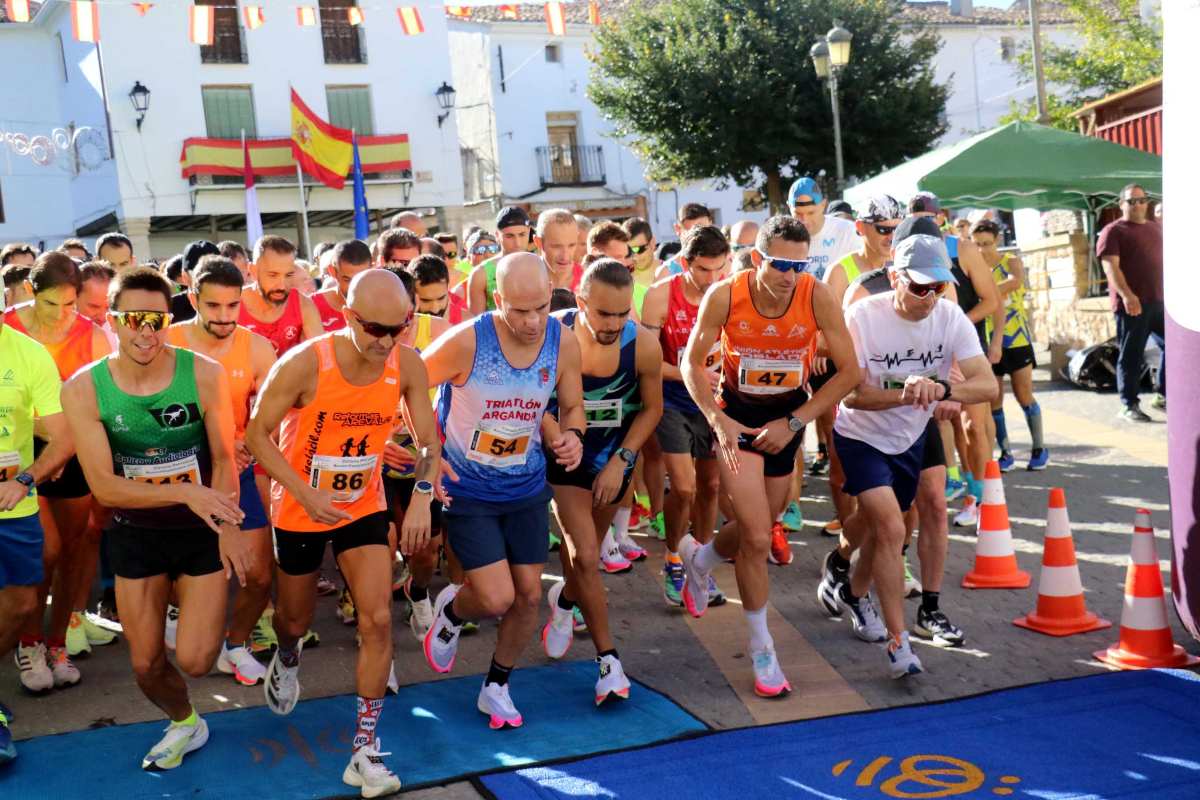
712	361
500	445
346	478
10	465
603	413
770	376
889	380
180	470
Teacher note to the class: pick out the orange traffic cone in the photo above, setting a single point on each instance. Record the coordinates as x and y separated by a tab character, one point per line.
1146	640
995	561
1061	610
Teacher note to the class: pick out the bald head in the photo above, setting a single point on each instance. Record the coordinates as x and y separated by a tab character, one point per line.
410	220
743	233
379	296
522	275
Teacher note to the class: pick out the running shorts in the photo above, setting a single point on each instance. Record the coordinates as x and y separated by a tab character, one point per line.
135	552
681	432
869	468
935	454
482	533
579	477
250	501
70	484
301	552
775	465
21	551
1012	359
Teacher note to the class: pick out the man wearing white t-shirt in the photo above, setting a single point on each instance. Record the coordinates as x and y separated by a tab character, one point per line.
905	340
832	237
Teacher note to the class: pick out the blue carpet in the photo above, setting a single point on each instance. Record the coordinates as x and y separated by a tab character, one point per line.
432	729
1124	735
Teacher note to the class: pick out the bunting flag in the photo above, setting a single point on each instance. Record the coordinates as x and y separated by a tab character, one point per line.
593	13
142	8
556	19
410	20
306	16
254	228
462	12
354	15
85	20
324	151
201	20
510	12
254	17
17	10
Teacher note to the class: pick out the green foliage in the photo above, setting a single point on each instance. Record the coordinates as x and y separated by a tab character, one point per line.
726	88
1119	50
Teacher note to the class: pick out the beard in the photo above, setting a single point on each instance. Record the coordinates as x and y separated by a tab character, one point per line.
220	330
276	296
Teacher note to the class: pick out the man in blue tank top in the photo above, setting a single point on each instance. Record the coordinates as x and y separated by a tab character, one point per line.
496	377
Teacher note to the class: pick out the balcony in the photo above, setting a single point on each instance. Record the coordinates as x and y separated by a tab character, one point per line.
570	165
206	162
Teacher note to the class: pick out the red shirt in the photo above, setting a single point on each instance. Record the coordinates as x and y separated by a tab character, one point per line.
673	336
331	319
285	332
1140	250
456	310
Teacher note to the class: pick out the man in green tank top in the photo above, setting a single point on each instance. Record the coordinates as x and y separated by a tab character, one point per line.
160	432
512	231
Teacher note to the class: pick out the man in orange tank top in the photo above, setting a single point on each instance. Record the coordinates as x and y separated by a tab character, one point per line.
270	307
767	321
348	258
336	399
216	294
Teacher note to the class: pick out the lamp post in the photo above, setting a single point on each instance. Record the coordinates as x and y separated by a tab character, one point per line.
445	97
829	55
140	97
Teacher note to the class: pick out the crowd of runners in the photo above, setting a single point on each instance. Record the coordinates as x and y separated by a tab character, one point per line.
446	412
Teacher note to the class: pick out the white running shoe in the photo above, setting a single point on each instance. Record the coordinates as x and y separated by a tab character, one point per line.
495	702
244	667
912	586
366	771
865	619
902	661
441	640
559	630
769	680
612	681
969	516
695	583
421	619
36	676
97	634
179	741
611	559
282	686
630	550
172	626
65	673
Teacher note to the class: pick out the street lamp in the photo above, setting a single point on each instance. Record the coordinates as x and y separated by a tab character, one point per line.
445	97
140	97
830	54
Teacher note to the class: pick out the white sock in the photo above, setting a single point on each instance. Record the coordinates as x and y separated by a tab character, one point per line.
707	557
621	523
760	637
608	544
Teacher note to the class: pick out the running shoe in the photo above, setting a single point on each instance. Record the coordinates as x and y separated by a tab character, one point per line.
630	550
1005	461
673	583
555	542
98	630
310	639
833	529
282	686
263	637
793	517
578	623
912	586
65	673
934	625
827	590
715	596
659	527
955	489
498	706
172	627
106	609
1134	413
346	613
1038	459
968	517
420	618
820	464
769	680
179	741
781	551
77	639
366	772
441	641
8	750
238	662
611	560
7	712
325	587
695	584
639	517
612	681
1159	401
902	661
864	618
36	676
559	630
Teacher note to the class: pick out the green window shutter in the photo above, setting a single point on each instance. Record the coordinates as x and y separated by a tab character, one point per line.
350	107
228	110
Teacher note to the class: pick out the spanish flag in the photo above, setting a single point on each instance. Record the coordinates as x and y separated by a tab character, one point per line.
18	10
201	21
556	19
323	151
410	20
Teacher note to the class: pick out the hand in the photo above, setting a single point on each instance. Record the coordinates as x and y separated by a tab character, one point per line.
947	410
727	432
398	457
918	392
242	457
714	378
236	553
820	365
439	488
773	437
607	485
319	507
995	352
11	493
568	450
1133	306
414	531
214	508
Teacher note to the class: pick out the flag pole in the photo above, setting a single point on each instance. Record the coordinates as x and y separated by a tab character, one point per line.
303	206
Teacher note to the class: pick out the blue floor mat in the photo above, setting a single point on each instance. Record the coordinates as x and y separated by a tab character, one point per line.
1123	735
433	731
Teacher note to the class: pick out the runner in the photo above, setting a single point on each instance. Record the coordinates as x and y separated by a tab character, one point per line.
270	308
396	247
512	232
742	235
554	240
237	254
181	307
622	389
490	412
247	358
15	277
159	433
683	432
641	244
336	398
116	249
432	287
766	324
410	221
905	342
348	258
1011	345
692	215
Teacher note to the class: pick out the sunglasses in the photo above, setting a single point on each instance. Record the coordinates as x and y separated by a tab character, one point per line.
136	320
737	248
400	262
378	330
785	264
485	249
638	249
884	230
451	254
1137	201
924	289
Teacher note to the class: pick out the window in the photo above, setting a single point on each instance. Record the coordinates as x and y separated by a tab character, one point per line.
553	53
342	41
350	107
227	46
228	110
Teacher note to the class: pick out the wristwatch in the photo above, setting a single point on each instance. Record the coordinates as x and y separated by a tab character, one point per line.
627	455
945	385
26	480
795	424
423	487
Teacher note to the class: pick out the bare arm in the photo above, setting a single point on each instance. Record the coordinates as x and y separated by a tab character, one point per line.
262	358
1016	277
840	346
835	279
654	314
57	431
649	369
419	415
290	384
310	318
212	386
713	311
1112	270
477	291
570	384
450	357
980	385
981	279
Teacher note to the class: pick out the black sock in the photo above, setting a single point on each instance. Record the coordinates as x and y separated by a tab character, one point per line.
837	562
417	593
455	619
904	549
564	603
822	450
929	601
498	674
289	658
847	596
609	652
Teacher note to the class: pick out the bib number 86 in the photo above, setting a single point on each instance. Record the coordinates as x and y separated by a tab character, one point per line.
347	480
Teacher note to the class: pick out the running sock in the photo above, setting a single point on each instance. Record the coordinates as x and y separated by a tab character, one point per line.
846	595
838	562
822	450
904	549
564	603
620	522
1033	418
189	721
498	674
609	652
232	645
707	557
760	637
290	658
1002	428
417	593
673	558
953	474
929	601
454	619
369	710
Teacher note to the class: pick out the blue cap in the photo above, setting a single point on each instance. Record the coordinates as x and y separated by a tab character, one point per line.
924	259
804	187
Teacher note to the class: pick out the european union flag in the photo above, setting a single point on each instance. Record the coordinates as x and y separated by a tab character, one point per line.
362	220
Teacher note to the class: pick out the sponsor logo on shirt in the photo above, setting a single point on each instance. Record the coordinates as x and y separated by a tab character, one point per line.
9	376
910	356
797	330
176	415
770	331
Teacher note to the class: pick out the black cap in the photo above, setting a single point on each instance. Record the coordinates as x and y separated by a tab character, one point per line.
511	215
910	226
194	251
839	207
924	201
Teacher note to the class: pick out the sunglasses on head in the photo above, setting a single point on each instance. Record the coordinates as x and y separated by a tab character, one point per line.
378	330
485	249
786	264
924	289
136	320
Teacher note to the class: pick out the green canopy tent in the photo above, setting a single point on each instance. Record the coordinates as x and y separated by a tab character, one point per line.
1020	165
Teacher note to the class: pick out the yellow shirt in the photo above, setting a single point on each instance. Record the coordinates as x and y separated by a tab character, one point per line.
29	387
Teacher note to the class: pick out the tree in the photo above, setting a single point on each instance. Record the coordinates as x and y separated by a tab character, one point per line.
725	88
1119	50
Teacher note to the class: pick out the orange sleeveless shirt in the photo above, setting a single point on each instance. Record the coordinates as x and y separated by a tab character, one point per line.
238	368
767	359
75	349
336	441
